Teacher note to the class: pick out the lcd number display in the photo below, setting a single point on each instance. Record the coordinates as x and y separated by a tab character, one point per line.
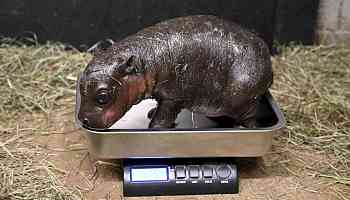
149	174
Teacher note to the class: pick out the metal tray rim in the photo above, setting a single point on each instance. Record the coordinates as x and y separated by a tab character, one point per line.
280	124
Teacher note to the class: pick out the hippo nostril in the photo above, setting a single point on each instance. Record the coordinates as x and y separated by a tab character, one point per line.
85	121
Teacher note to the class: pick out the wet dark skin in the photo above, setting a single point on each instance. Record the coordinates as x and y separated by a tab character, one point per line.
203	63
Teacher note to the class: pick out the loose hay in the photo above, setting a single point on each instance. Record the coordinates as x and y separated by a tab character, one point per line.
26	173
23	176
33	78
312	85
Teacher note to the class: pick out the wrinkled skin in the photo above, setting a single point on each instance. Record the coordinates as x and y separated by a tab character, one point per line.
202	63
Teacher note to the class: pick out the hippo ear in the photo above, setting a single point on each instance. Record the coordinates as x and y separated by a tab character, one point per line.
127	68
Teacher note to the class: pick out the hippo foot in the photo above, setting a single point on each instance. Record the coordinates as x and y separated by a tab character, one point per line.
229	122
161	125
249	123
164	115
151	113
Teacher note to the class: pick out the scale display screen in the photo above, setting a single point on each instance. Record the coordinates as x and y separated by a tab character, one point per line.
149	174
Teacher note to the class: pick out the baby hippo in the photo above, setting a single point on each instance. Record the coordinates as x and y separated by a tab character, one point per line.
202	63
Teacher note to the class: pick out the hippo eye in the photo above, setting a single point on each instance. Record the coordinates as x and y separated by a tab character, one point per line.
102	97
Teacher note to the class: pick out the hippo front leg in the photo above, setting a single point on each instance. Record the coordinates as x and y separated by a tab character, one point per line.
165	114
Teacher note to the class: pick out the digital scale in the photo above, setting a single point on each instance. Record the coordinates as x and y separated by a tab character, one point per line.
195	157
178	177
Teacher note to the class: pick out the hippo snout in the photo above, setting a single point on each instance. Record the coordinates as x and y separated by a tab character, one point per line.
85	121
92	121
88	114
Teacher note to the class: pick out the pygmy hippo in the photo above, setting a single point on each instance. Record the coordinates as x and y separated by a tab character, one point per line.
203	63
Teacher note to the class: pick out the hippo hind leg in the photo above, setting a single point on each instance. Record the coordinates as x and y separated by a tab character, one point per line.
165	114
248	118
244	113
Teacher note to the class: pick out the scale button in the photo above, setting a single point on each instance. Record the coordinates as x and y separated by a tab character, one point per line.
180	172
223	171
207	172
193	171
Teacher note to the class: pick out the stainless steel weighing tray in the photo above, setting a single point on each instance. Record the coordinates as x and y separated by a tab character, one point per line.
185	141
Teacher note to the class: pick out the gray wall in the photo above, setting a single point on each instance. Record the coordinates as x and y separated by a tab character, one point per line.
333	22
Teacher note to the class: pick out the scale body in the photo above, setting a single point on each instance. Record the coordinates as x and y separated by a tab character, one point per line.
152	158
152	177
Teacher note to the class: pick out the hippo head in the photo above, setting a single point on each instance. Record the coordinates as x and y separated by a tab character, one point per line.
107	89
